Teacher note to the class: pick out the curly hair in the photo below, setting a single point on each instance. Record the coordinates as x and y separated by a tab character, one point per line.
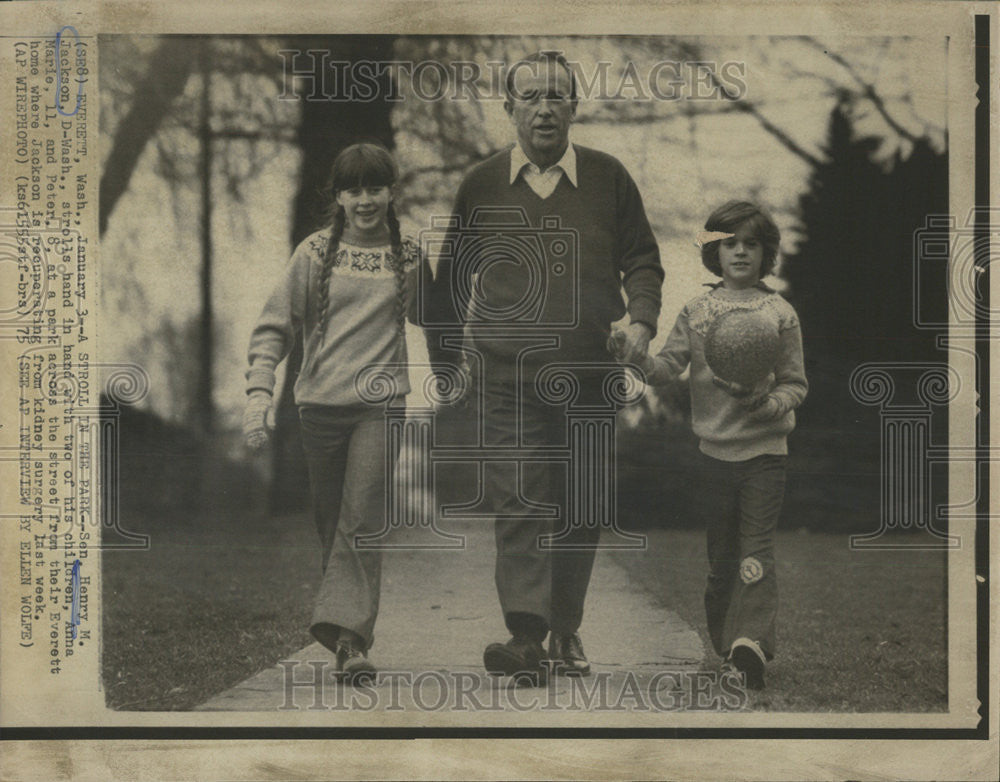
732	216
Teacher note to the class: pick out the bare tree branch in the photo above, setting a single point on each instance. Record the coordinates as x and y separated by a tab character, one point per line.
747	107
868	90
779	134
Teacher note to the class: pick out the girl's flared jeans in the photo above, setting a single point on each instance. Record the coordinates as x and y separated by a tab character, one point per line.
348	462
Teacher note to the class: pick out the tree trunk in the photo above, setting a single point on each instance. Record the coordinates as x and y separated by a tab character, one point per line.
326	127
169	69
204	394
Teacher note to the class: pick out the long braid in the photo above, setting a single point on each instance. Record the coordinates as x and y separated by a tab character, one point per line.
337	230
398	266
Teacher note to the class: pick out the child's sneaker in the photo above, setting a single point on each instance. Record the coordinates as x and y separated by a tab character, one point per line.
747	657
353	665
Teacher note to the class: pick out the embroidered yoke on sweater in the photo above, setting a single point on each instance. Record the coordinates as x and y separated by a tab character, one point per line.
362	320
719	420
594	238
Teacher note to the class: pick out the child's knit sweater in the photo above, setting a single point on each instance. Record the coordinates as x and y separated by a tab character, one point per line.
362	321
720	421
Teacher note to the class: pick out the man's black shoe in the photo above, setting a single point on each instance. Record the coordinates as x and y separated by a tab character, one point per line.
566	655
519	657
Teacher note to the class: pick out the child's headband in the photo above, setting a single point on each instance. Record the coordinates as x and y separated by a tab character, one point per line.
704	237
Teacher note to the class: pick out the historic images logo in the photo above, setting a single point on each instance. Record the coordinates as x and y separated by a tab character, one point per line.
312	76
309	686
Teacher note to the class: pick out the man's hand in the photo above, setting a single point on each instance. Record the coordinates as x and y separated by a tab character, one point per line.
616	343
630	344
637	337
257	421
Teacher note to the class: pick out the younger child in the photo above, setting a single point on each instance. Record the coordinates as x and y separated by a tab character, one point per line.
345	294
743	436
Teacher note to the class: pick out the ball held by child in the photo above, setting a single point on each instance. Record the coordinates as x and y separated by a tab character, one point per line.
742	347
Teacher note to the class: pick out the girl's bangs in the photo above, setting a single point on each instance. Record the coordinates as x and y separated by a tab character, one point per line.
364	167
757	223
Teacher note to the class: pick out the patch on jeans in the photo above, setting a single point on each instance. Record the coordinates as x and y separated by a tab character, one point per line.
751	571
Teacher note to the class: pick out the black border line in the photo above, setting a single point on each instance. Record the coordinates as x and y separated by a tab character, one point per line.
981	243
264	733
981	235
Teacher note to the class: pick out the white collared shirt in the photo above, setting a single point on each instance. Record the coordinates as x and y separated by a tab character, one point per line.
542	182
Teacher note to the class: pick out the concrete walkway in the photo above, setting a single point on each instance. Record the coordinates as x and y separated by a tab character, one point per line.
439	609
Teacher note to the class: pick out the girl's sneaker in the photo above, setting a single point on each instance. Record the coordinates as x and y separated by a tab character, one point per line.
748	658
353	665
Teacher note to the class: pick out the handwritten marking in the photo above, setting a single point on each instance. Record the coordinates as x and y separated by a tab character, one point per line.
75	614
79	83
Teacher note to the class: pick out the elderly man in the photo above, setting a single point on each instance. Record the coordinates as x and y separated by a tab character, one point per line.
574	197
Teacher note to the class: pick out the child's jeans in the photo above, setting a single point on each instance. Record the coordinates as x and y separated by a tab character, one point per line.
345	451
740	503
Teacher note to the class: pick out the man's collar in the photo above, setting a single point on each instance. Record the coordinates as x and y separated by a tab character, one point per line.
567	163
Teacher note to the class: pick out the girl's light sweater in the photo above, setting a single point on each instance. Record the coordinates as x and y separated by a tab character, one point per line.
362	321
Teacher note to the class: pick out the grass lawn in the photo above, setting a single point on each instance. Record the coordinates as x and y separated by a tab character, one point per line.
209	605
858	631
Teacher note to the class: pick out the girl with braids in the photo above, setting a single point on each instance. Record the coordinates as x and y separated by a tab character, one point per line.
346	293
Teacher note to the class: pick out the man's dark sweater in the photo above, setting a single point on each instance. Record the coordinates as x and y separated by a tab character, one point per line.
515	302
